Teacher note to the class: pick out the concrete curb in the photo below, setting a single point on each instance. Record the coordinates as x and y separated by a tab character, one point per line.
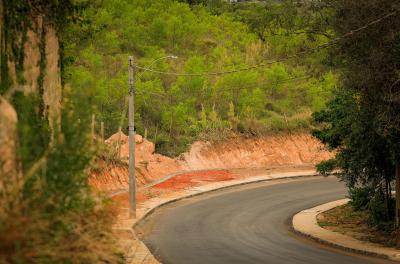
305	223
150	206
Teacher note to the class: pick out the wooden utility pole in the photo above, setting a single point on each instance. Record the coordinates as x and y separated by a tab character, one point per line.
131	127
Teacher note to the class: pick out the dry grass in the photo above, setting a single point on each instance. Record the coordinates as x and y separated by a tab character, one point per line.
37	230
345	220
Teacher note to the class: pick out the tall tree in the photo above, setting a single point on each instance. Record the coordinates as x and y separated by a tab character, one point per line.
362	122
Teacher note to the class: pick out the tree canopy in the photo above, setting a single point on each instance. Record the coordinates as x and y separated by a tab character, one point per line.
361	122
279	96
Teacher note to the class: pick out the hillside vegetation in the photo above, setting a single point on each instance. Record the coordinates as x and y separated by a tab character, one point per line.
175	110
329	65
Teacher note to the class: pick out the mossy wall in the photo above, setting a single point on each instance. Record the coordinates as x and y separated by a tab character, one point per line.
30	56
29	65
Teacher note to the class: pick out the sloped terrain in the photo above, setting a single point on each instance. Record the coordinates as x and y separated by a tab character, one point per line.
274	150
264	152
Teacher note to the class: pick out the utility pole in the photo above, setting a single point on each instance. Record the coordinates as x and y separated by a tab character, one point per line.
132	141
131	128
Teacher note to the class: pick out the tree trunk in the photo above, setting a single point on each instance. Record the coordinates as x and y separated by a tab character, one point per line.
397	188
397	195
388	197
9	173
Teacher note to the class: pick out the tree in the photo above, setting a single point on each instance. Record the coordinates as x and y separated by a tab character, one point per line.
45	198
361	122
203	42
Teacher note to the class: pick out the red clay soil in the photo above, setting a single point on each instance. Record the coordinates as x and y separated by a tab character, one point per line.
255	156
123	198
190	179
177	183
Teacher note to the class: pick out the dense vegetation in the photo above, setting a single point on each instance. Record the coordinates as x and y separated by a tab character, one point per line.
175	110
351	85
48	213
362	121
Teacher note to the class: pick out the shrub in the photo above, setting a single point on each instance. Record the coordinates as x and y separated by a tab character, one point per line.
378	211
360	197
326	167
48	213
374	202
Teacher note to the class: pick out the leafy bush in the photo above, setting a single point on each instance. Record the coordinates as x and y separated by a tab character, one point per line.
373	201
378	211
360	197
326	167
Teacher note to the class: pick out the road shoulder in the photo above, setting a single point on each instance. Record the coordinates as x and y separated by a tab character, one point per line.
305	223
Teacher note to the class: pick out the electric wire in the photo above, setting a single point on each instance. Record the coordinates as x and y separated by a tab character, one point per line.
311	50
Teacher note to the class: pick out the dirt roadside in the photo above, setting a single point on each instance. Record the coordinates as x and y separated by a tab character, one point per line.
255	155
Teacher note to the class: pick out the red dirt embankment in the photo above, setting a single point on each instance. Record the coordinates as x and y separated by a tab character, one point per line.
267	151
149	166
263	152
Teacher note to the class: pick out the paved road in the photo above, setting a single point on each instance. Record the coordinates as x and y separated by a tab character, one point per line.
245	225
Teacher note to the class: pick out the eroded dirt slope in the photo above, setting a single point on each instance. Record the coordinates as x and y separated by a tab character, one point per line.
240	152
149	165
274	150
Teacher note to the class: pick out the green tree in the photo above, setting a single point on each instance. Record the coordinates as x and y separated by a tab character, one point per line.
360	122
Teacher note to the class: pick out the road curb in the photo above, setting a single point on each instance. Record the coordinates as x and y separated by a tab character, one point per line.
186	196
305	223
154	204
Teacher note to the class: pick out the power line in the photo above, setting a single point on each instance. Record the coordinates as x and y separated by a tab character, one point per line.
329	43
325	45
241	87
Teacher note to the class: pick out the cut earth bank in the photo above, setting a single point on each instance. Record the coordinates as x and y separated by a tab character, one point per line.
235	158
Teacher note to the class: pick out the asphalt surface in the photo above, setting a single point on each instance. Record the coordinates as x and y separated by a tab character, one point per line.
248	224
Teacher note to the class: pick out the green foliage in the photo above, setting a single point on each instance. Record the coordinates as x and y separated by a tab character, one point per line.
372	200
378	210
33	129
326	167
174	109
48	213
18	17
361	122
360	197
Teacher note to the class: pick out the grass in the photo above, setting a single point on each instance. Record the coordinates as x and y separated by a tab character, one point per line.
35	228
345	220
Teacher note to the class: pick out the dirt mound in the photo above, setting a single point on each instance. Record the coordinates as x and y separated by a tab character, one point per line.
109	177
149	166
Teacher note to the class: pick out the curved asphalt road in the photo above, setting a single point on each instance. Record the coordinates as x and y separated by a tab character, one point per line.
248	224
